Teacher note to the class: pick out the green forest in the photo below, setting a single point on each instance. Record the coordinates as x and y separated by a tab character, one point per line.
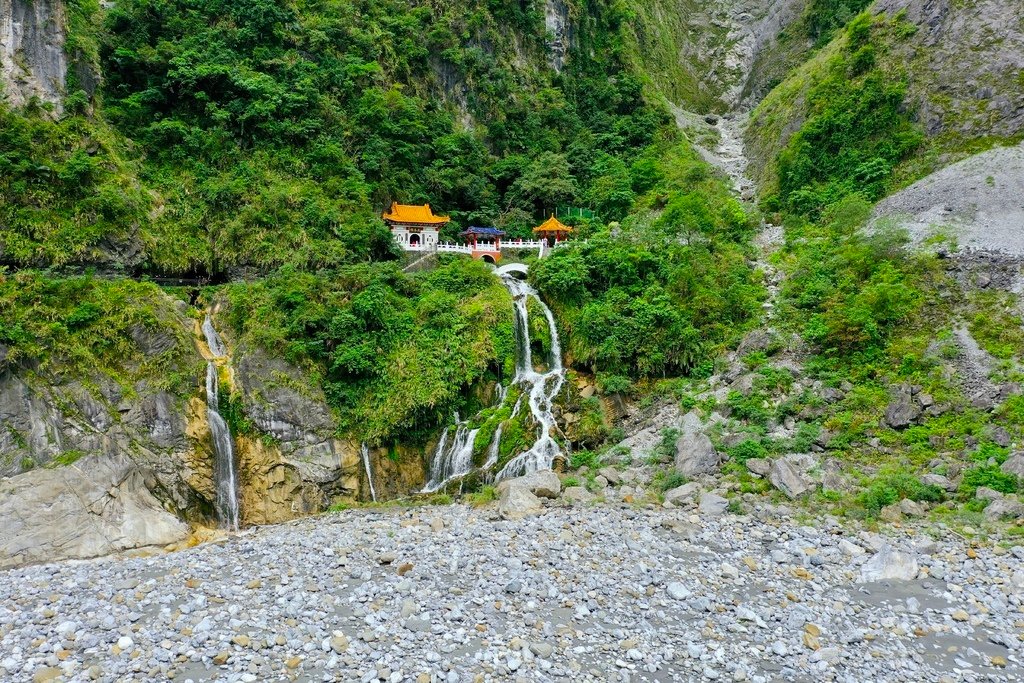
248	147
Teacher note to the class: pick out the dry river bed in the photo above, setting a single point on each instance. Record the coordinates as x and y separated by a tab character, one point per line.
603	593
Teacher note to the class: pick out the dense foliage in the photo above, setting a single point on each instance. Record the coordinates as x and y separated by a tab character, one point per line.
850	289
65	189
394	353
86	328
856	130
659	294
823	18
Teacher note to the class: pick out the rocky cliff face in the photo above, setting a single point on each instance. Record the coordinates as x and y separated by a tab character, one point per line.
32	59
966	62
702	55
962	63
89	467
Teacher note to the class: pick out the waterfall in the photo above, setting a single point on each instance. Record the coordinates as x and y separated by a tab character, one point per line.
493	451
453	456
541	388
213	340
451	459
369	472
223	446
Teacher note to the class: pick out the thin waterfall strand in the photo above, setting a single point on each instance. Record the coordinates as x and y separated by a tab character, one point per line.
213	340
224	455
365	451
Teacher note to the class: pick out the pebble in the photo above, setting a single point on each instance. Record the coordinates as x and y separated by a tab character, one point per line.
559	596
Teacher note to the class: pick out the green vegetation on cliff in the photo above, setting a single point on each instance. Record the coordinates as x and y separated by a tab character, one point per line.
394	353
87	329
855	130
659	294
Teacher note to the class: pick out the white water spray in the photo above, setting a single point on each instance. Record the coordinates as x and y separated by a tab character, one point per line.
223	445
365	450
453	459
453	456
541	388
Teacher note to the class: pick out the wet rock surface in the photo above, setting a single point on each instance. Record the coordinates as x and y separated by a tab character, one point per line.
594	593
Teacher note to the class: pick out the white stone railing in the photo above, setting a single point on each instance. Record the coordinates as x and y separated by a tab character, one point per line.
522	244
456	248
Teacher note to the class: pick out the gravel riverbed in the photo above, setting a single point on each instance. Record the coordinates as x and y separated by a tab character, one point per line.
602	593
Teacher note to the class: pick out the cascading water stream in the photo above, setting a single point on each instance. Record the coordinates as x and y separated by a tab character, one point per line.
541	388
453	456
365	451
451	459
223	445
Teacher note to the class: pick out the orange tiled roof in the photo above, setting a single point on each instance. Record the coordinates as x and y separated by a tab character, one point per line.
414	213
552	225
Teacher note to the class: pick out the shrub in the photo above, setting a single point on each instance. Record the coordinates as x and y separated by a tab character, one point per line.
584	458
890	488
988	476
747	449
670	480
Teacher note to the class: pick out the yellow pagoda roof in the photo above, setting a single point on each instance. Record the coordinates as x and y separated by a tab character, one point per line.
414	213
552	225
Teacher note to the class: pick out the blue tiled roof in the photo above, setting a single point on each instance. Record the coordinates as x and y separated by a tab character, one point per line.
493	232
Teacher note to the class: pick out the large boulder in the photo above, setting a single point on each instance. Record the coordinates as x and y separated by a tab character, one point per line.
712	504
695	454
903	409
932	479
1004	508
577	494
889	565
97	506
1014	464
517	502
542	483
788	479
681	495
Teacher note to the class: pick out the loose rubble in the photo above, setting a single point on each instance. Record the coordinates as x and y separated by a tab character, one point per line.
575	591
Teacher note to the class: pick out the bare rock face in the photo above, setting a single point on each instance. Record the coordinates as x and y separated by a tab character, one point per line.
32	59
788	479
902	410
561	33
695	454
544	484
967	60
95	507
517	502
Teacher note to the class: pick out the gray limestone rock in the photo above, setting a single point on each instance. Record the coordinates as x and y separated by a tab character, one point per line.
888	565
1004	508
32	58
682	494
543	483
788	479
577	494
517	502
712	504
903	409
1014	464
99	506
759	466
695	454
